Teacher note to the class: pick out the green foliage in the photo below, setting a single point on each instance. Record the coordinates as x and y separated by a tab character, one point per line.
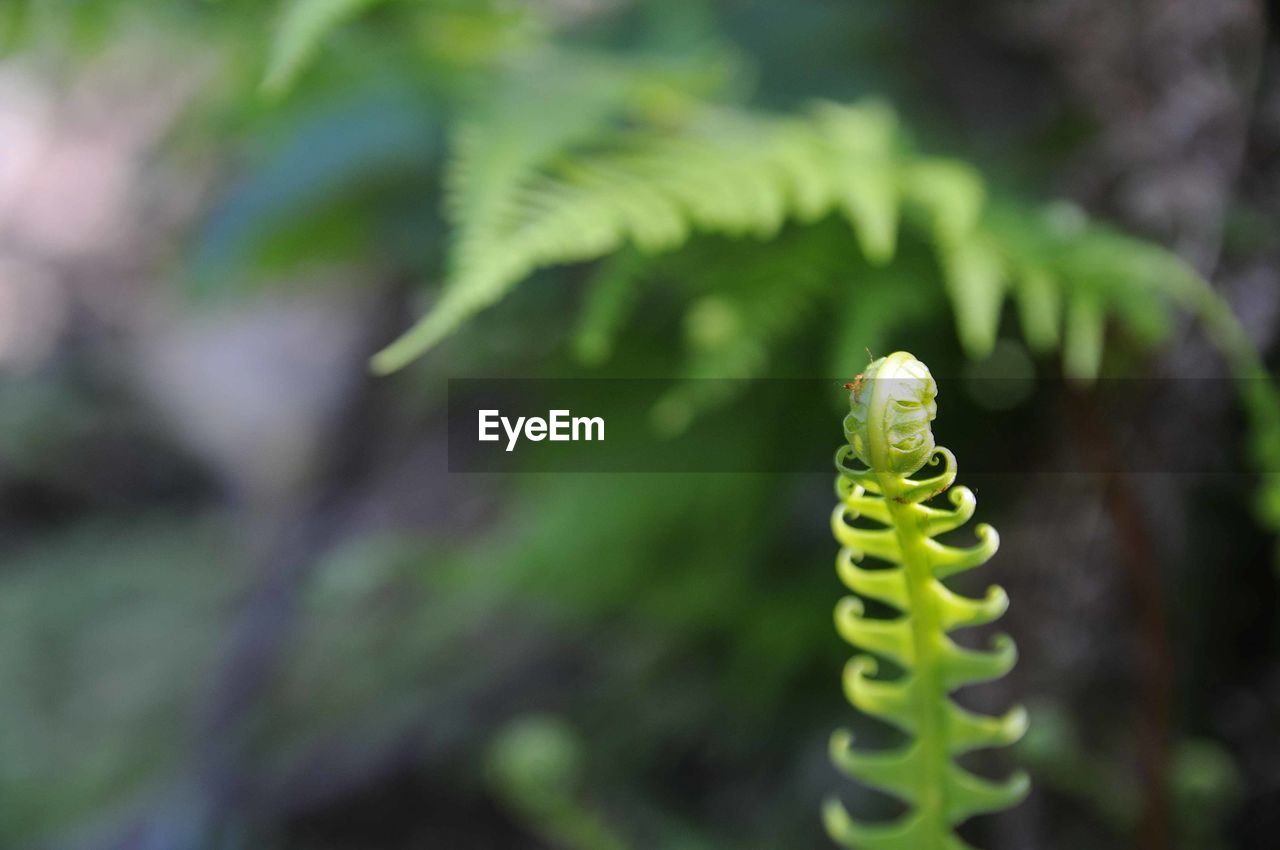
1203	782
1206	785
109	632
888	429
439	37
372	144
570	156
13	19
680	596
534	187
536	765
575	158
545	174
611	296
304	25
738	314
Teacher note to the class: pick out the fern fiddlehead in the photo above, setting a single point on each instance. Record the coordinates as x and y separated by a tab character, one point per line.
888	429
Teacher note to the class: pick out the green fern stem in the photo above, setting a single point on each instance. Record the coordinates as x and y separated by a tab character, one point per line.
888	430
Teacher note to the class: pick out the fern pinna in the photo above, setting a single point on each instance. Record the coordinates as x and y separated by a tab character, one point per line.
888	430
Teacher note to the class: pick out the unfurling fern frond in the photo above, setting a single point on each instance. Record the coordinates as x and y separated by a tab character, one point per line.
888	430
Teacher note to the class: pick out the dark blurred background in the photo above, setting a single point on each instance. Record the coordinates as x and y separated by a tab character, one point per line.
244	604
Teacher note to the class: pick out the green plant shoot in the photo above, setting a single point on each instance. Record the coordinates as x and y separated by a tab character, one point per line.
888	429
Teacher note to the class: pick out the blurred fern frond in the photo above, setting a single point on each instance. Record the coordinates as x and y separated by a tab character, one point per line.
547	177
717	171
304	25
610	297
747	299
583	163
